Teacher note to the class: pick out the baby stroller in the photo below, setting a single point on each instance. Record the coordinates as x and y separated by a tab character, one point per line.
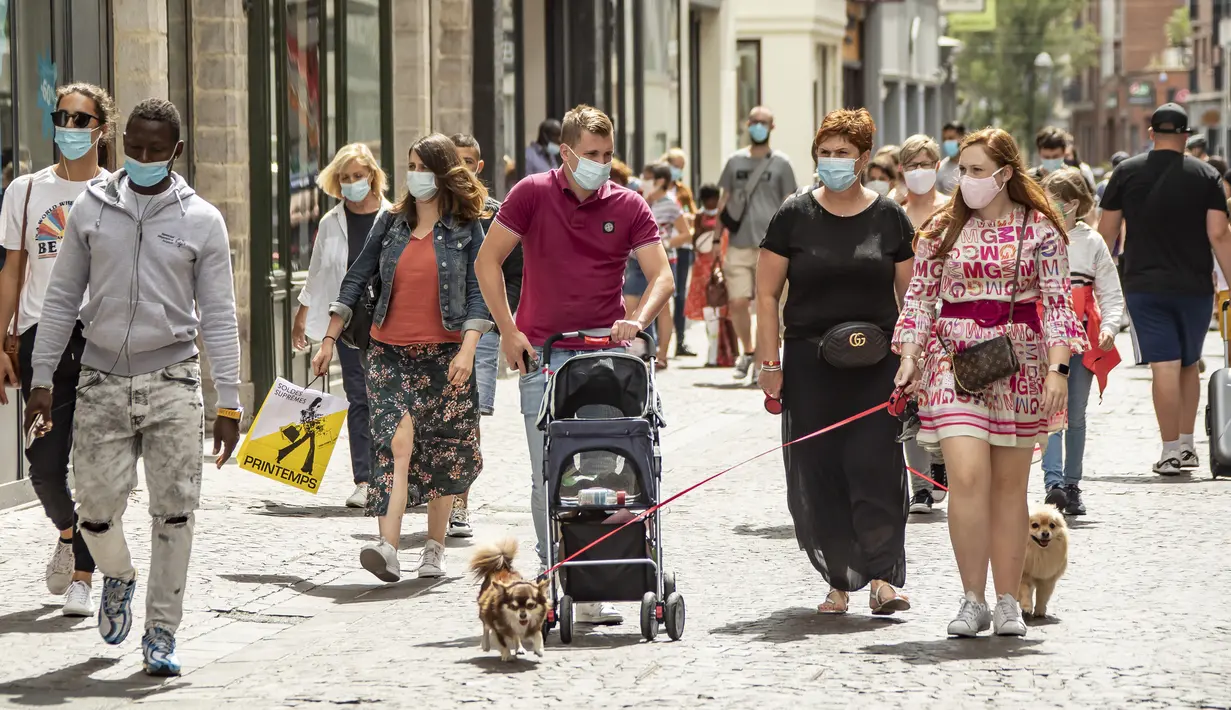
601	415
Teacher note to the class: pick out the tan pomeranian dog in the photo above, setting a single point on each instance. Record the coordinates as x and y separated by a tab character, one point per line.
511	609
1047	556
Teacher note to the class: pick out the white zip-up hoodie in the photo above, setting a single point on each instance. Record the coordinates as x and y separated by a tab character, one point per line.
1090	265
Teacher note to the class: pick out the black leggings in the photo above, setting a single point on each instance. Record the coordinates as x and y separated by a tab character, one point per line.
49	455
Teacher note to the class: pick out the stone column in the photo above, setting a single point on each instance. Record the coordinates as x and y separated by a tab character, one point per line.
452	66
140	56
412	79
218	140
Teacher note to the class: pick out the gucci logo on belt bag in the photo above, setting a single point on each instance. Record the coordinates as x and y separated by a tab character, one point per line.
854	344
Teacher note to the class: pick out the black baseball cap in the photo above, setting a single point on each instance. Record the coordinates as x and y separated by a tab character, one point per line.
1119	157
1170	118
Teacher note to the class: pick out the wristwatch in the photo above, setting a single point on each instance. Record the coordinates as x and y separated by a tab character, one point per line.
236	414
1061	368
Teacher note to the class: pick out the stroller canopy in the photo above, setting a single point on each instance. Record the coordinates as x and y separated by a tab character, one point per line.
615	380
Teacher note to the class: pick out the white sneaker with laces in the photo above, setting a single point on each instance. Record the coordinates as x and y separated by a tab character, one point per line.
742	365
60	568
973	617
1007	619
599	614
77	600
1188	457
381	559
1169	464
432	560
359	498
459	520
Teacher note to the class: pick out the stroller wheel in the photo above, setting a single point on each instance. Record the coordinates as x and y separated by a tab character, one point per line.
649	616
673	615
565	610
668	584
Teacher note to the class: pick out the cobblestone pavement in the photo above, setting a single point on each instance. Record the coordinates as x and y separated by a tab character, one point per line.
278	613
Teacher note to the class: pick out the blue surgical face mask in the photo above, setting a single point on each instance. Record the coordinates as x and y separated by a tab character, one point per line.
758	132
677	174
589	174
422	185
356	191
147	174
553	149
950	147
74	142
837	174
1051	165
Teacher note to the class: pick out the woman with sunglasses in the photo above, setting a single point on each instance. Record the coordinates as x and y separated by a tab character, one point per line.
32	222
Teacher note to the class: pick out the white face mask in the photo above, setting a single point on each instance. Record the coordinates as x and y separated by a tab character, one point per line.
921	180
880	187
421	184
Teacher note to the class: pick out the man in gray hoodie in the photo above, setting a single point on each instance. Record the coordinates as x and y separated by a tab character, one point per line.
151	254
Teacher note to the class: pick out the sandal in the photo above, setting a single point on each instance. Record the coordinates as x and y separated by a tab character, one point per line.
835	602
882	606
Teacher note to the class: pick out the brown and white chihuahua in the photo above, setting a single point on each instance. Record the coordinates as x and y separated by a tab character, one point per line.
511	609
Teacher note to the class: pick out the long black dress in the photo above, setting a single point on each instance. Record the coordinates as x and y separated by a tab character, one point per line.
847	490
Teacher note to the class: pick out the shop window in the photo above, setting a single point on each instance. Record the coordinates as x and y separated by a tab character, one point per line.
179	76
303	126
363	100
661	75
37	77
748	82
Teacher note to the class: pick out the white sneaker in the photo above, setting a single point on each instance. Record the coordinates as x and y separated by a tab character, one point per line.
1007	619
459	520
1169	464
432	560
601	614
60	568
1188	457
77	600
742	365
972	618
381	559
359	498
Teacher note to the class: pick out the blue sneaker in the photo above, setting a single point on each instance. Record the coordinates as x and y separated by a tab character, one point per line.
158	647
115	613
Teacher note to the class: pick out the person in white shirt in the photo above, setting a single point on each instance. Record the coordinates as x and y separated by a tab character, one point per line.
1099	304
32	223
353	176
947	172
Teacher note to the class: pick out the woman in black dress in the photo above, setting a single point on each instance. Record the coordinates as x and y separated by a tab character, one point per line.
847	253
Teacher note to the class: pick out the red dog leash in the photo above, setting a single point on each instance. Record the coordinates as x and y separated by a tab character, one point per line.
645	513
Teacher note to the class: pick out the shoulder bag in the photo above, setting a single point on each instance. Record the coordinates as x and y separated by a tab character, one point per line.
12	344
358	332
732	218
983	364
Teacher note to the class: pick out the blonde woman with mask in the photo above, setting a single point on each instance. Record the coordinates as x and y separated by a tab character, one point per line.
354	177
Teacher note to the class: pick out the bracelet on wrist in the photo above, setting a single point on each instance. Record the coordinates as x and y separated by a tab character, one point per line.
329	337
771	368
770	363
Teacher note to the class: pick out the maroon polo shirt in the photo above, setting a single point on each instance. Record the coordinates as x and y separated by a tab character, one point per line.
575	253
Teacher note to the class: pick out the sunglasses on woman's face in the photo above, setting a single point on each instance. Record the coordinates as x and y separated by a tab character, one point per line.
79	119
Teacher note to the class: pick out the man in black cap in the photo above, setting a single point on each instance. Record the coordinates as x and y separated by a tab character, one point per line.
1198	147
1174	212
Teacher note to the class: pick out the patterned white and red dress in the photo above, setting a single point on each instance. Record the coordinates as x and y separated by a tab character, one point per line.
977	277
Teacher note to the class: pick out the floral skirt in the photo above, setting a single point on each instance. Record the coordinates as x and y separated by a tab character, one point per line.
414	380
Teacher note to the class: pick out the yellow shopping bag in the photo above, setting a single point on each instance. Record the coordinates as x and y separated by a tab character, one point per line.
293	435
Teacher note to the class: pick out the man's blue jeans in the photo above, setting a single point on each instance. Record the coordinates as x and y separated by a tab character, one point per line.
358	419
1057	468
486	367
533	387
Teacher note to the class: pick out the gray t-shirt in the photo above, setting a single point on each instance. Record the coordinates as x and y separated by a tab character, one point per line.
777	184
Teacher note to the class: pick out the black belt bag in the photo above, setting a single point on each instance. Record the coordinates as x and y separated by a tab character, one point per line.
852	345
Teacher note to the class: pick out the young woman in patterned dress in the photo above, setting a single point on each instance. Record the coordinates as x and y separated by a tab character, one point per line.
966	258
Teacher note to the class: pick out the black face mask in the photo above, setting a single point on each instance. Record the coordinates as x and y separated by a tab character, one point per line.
1072	162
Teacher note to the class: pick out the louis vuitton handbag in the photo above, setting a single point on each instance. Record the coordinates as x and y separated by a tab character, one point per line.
981	365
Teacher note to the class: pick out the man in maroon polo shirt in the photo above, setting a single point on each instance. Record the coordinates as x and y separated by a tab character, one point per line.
577	230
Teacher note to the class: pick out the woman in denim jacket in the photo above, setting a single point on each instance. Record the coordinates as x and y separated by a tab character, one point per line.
425	327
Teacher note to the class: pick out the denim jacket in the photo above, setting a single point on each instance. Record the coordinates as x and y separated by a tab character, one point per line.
457	246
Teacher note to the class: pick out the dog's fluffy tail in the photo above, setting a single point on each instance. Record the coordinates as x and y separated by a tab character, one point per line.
494	557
